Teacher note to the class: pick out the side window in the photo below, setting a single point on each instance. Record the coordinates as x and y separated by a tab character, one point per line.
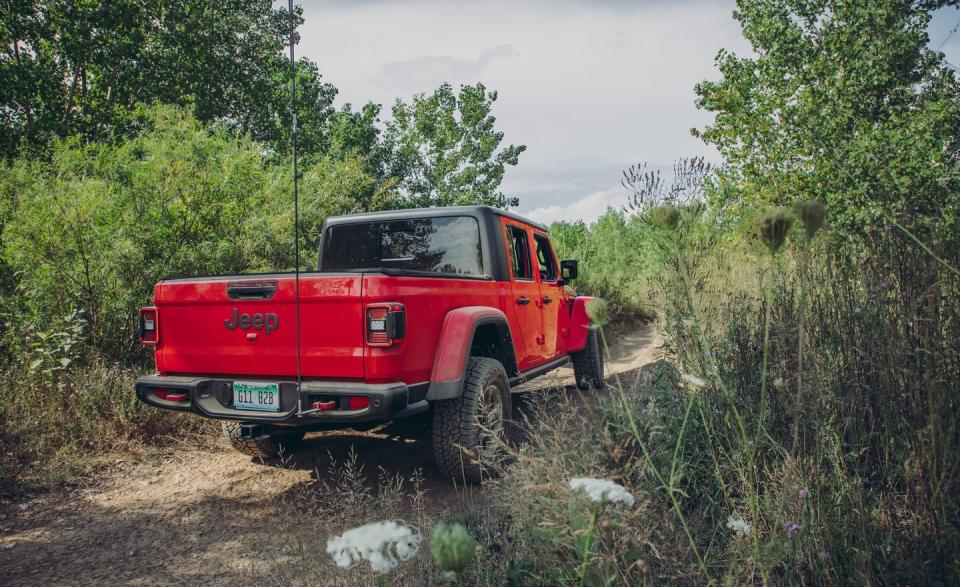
519	249
548	267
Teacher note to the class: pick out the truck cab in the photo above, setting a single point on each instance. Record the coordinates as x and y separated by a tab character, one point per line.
440	309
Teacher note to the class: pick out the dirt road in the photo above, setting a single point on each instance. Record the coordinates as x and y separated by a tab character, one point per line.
209	515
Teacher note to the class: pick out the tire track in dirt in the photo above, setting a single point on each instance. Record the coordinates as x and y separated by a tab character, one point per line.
211	515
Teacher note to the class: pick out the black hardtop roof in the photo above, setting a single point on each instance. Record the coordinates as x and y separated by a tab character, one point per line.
476	211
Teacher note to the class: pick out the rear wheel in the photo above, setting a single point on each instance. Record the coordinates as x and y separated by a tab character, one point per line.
588	363
268	446
469	431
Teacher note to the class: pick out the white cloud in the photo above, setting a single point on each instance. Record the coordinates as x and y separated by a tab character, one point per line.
587	208
421	74
589	87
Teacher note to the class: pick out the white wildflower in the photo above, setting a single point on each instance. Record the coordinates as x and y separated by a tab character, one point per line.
602	490
383	544
693	380
740	526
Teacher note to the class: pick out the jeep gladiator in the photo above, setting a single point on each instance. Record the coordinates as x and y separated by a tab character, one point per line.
440	310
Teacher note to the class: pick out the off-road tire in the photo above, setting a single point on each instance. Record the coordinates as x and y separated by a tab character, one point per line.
588	364
269	447
461	447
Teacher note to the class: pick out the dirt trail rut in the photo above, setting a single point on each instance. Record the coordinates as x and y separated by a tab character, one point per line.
209	515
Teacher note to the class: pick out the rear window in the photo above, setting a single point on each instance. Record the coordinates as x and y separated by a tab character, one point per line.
449	244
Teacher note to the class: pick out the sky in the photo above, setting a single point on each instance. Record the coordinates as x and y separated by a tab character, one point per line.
589	87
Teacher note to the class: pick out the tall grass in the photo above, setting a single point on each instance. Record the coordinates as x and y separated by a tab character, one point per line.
57	425
804	431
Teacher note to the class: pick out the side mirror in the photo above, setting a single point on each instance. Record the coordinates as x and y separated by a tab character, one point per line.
568	270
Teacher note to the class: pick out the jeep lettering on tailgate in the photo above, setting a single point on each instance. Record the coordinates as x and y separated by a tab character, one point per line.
265	322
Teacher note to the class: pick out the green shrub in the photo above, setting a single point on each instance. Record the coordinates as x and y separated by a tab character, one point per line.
615	261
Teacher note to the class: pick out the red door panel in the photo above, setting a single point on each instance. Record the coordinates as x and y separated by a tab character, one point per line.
526	297
553	297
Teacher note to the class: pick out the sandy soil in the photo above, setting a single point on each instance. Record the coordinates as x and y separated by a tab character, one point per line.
209	515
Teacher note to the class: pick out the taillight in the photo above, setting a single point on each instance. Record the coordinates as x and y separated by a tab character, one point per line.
386	323
149	328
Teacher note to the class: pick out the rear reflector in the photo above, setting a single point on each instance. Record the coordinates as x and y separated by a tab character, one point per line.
378	338
172	395
359	402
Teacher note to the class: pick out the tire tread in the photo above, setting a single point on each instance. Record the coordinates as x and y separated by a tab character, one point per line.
454	421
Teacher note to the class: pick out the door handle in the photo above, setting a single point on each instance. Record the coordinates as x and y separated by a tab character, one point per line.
251	290
547	300
523	300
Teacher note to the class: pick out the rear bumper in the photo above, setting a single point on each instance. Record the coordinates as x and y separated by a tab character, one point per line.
213	398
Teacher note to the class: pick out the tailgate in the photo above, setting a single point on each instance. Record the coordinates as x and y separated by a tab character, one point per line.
247	326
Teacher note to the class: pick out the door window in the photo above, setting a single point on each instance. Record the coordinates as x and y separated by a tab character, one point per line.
519	247
548	267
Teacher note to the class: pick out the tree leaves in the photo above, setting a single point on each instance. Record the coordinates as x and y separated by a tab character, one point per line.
444	150
83	68
842	102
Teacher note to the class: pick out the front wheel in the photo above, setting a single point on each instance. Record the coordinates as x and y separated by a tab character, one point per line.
588	363
469	431
273	445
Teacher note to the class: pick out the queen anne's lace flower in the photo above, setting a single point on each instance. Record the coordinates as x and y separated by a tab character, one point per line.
740	526
383	544
602	490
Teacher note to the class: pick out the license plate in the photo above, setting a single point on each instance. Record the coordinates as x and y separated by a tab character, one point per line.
248	395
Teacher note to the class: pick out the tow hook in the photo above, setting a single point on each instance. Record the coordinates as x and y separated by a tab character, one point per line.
318	407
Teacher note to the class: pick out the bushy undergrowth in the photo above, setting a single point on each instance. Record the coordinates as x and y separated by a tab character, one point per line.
59	423
805	431
615	261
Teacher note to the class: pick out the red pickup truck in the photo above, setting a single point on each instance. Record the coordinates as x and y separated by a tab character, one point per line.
441	309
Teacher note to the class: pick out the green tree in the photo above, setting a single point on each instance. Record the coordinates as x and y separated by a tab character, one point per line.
842	102
444	150
96	225
79	67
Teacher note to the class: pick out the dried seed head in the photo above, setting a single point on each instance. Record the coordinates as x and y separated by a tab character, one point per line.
665	216
811	213
774	226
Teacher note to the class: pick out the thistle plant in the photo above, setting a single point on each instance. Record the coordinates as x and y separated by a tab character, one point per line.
773	228
598	311
811	213
453	548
